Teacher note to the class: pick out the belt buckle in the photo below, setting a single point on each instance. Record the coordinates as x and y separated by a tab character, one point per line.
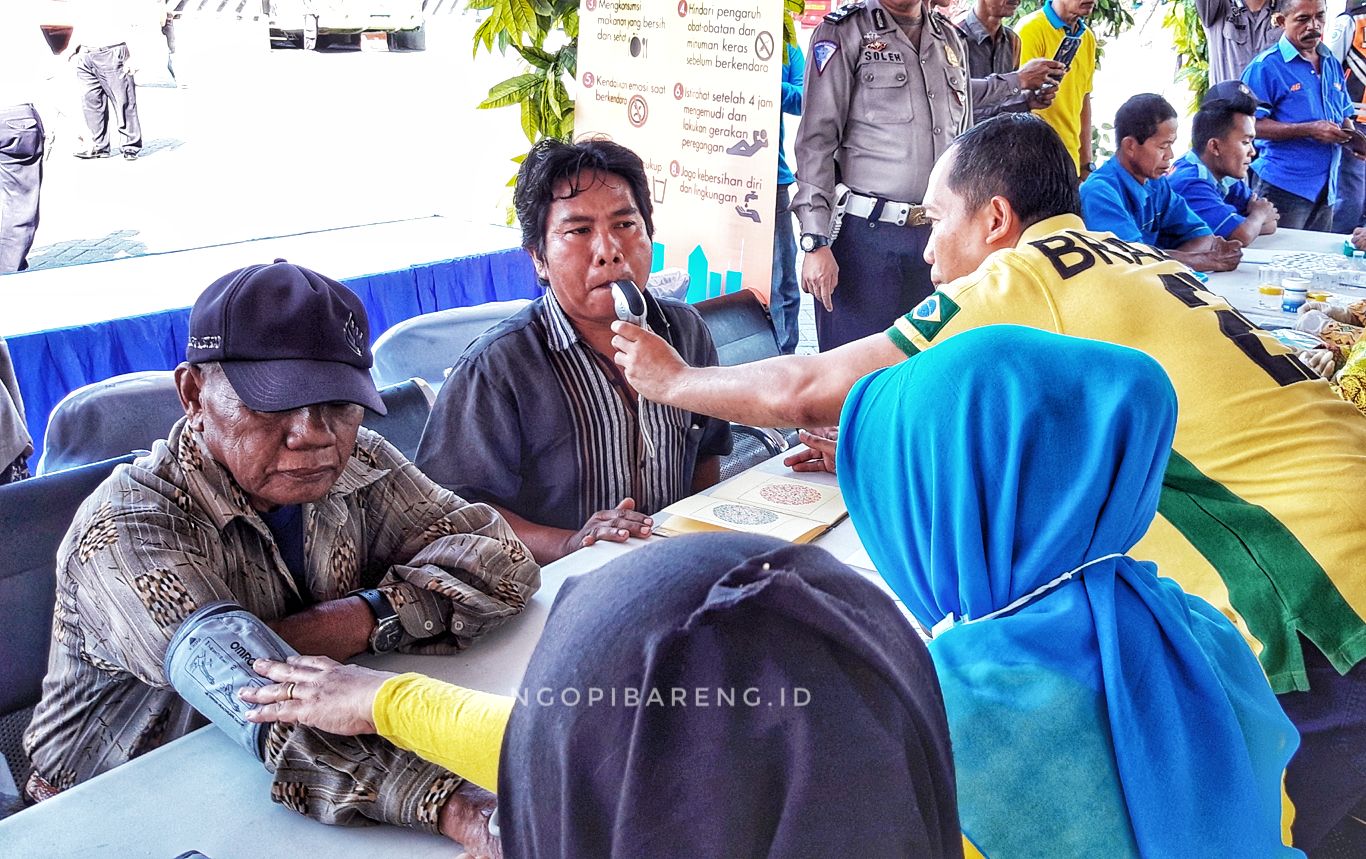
915	217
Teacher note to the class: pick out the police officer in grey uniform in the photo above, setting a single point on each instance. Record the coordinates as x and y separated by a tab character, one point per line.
887	90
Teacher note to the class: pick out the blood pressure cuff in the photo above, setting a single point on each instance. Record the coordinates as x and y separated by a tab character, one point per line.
209	661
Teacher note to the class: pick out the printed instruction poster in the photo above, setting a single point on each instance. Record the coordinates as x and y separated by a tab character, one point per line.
694	88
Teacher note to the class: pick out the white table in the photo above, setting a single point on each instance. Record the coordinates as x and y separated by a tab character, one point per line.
204	793
1239	286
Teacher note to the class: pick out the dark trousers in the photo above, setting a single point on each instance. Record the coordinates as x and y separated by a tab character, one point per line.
1296	212
883	274
784	297
1326	779
21	176
104	74
1349	210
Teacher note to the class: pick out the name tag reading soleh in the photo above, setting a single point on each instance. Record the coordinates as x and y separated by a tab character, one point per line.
871	55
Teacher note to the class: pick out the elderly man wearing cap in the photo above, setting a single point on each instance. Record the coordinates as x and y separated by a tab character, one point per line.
270	494
1212	176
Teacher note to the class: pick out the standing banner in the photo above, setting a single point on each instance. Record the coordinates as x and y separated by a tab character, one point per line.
694	88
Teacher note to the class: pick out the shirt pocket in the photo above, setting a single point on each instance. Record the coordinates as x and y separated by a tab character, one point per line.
1237	30
957	80
883	96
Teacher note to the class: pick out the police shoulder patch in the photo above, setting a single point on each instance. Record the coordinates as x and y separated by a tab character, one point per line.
844	12
821	53
932	314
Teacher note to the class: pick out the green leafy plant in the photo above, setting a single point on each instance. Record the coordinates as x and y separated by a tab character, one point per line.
1188	33
525	27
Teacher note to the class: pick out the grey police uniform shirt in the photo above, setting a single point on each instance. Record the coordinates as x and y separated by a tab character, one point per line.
1235	34
881	108
992	57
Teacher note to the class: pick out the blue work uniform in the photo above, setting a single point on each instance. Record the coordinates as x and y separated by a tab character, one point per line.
1112	200
1290	90
1222	205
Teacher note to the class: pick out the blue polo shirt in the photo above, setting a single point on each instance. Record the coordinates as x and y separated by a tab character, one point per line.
794	73
1221	205
1114	201
1291	91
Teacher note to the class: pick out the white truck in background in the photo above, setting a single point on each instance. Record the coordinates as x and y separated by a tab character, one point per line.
306	23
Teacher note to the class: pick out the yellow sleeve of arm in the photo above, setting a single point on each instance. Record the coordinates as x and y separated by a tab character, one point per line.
460	729
999	292
970	850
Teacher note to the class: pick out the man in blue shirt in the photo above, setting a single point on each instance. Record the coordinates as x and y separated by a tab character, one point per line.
1131	197
1303	118
1211	176
784	297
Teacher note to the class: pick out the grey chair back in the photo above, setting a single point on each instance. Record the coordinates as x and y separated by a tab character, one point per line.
426	346
110	418
409	403
740	327
743	332
34	517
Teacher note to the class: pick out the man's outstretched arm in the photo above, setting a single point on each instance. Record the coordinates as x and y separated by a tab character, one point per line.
787	391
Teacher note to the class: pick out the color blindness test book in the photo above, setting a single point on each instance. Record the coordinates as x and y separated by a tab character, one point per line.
756	503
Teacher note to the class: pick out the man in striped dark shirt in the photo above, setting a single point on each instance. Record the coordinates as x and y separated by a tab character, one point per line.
535	418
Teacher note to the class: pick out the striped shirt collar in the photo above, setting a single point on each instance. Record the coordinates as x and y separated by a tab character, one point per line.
561	333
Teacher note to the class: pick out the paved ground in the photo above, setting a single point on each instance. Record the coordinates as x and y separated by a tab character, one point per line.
264	143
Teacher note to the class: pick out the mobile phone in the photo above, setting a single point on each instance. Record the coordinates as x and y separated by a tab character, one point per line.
629	302
1067	50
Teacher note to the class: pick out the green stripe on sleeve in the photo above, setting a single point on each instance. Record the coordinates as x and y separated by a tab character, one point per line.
1272	579
901	341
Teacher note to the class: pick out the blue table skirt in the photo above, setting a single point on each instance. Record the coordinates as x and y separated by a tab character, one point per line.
52	364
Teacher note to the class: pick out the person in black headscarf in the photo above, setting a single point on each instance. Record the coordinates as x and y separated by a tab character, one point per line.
718	695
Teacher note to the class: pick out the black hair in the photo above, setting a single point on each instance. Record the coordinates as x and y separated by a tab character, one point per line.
551	161
1140	116
1021	158
1215	120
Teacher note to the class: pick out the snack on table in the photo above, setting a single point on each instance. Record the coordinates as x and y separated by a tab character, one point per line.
1351	379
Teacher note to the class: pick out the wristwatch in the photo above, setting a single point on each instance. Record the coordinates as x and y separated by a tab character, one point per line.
388	631
811	241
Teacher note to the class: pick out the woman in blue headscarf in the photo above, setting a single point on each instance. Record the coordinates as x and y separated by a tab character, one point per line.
997	481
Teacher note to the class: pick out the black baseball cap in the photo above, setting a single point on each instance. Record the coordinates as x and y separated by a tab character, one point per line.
1232	93
286	336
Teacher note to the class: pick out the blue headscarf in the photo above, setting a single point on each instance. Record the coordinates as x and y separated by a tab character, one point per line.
1112	714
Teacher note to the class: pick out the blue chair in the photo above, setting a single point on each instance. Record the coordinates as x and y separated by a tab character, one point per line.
427	346
34	517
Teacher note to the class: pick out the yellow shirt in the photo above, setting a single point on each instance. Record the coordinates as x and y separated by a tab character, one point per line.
460	729
1040	38
1262	509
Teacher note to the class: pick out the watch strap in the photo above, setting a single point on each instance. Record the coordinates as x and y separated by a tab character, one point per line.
386	633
